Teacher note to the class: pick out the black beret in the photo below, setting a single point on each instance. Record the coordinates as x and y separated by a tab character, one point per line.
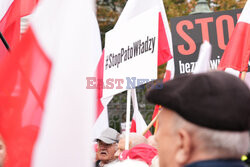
215	100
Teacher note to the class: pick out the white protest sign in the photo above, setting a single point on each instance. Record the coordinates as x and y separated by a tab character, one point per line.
131	53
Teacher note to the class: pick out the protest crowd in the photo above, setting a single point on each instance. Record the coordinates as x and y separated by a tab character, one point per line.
56	82
207	133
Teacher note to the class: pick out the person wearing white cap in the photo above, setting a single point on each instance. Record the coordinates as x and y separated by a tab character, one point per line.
107	146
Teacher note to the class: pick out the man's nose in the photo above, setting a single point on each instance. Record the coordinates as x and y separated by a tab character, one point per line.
102	147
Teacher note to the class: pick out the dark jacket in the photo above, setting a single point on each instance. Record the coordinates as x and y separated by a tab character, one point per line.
218	163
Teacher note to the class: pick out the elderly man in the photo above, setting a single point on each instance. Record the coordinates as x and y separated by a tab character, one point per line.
204	122
134	139
107	146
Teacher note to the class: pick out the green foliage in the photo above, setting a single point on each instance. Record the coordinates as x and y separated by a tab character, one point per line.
108	12
221	5
176	8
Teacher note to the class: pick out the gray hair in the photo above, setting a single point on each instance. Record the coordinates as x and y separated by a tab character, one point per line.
221	143
135	139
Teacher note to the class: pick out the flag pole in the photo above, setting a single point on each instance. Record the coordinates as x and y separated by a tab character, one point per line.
243	75
128	120
152	122
4	42
134	99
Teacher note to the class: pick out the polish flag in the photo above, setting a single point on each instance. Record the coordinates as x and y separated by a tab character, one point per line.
54	55
138	123
102	121
236	56
168	49
132	9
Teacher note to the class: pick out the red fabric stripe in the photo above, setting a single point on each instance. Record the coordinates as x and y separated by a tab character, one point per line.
237	53
141	152
99	81
133	126
133	129
26	74
10	27
164	53
27	6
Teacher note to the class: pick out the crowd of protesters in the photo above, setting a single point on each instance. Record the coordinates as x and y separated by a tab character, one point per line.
204	122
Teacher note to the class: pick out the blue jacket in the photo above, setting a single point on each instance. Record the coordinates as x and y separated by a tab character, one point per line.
218	163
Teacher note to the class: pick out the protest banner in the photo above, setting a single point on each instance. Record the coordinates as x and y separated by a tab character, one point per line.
189	32
131	54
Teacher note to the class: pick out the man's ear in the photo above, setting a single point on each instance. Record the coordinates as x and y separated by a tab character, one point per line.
184	149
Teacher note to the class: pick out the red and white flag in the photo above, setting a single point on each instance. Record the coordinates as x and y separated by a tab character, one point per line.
236	55
55	53
165	53
102	121
26	75
138	123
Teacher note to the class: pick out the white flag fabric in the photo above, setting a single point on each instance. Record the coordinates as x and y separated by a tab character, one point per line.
69	34
102	122
138	123
203	65
236	55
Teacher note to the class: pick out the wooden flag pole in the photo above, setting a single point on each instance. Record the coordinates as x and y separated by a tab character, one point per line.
243	75
4	42
152	122
127	120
